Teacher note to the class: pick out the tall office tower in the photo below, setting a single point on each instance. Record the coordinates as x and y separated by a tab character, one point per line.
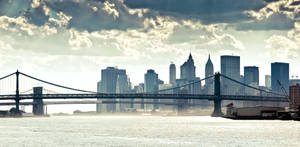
251	75
209	71
109	78
230	67
151	86
122	87
268	81
172	74
187	69
279	71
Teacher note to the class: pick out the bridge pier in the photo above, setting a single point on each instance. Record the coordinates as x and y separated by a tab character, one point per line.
217	101
17	99
181	107
38	105
217	109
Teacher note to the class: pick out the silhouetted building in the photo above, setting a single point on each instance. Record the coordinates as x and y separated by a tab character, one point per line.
139	89
188	75
160	81
172	74
123	86
38	106
187	69
108	84
230	67
209	71
251	75
268	81
151	86
279	71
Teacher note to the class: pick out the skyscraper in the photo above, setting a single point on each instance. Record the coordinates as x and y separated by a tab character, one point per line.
108	84
280	71
251	75
187	69
139	89
188	75
209	71
172	74
123	86
230	67
268	81
151	86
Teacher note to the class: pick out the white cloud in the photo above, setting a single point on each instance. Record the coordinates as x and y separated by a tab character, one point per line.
4	47
21	27
79	40
109	8
295	33
278	15
281	48
282	6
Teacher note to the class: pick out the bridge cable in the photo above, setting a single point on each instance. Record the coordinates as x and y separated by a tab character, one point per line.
7	76
65	87
251	86
25	91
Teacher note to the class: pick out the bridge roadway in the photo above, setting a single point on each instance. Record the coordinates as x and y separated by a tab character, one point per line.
149	96
95	102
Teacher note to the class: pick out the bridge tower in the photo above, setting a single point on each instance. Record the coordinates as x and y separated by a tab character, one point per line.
38	106
17	99
217	101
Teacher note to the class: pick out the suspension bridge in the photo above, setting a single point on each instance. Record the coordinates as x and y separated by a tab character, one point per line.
17	88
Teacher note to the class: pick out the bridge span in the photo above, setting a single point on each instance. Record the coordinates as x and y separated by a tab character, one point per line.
104	98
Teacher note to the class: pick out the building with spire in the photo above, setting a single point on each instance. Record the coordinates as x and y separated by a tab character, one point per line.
187	69
209	71
188	75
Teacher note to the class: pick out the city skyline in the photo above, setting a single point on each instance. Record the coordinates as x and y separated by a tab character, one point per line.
241	72
150	72
165	76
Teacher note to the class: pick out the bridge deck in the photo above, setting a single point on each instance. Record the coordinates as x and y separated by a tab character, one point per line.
149	96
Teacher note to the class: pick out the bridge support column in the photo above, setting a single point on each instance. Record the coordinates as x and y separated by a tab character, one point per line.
217	101
17	99
38	105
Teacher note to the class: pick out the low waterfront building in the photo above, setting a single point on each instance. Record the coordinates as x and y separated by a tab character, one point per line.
295	96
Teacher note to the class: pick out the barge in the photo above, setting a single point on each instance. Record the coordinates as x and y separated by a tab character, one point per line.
261	112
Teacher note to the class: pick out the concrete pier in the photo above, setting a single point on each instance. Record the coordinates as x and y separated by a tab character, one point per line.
38	106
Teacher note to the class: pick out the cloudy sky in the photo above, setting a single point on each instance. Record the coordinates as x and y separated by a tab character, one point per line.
70	41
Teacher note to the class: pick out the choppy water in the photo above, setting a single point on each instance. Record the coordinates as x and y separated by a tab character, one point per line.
146	131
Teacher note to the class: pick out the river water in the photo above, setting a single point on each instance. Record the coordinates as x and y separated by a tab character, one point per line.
149	131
